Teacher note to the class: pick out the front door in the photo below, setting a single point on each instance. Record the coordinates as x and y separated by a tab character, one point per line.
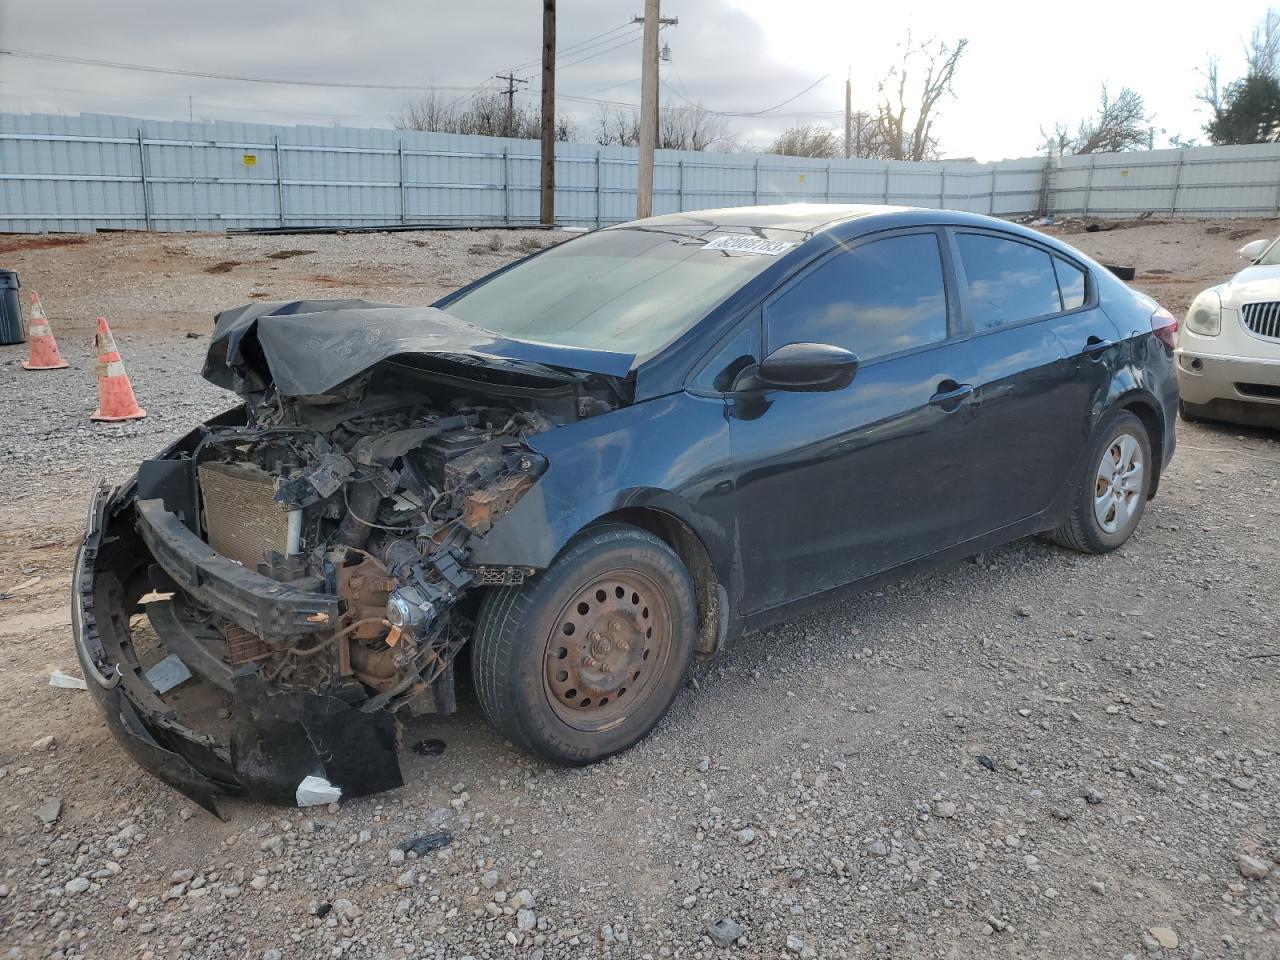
833	487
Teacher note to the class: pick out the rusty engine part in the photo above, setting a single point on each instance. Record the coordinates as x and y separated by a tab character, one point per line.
484	507
244	647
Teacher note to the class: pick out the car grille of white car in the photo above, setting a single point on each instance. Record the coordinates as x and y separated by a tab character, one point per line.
1263	318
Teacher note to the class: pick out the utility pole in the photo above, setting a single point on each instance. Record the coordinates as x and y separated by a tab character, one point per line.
652	21
511	100
547	214
848	113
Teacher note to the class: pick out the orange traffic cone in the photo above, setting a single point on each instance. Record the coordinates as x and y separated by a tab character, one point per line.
115	394
42	349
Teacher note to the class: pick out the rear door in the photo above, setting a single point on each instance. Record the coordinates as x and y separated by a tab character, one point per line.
1031	425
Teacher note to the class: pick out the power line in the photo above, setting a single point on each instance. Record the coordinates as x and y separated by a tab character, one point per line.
625	43
573	48
757	113
580	47
174	71
722	113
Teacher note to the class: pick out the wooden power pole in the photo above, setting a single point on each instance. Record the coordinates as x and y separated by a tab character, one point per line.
848	114
512	80
653	21
548	211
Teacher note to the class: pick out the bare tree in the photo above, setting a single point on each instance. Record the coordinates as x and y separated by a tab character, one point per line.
486	114
1211	93
909	108
430	111
694	128
1121	123
1262	52
866	139
679	128
807	141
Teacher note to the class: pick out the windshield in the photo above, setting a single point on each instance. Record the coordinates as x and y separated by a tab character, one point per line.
631	290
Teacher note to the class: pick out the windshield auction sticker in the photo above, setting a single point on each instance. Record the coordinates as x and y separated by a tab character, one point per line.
739	243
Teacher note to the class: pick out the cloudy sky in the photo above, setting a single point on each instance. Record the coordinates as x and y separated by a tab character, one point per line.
1026	67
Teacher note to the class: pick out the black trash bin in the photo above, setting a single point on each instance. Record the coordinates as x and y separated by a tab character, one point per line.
10	309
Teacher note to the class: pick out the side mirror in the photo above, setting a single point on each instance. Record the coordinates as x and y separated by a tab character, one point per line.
806	367
1253	249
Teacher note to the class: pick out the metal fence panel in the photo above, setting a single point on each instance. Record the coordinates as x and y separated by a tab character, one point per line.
94	172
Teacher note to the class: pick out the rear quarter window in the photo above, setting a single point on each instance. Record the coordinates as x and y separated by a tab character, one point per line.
1071	283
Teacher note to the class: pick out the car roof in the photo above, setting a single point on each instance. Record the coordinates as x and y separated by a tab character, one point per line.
800	217
814	218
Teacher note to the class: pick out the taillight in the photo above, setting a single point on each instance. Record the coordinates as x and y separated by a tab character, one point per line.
1165	326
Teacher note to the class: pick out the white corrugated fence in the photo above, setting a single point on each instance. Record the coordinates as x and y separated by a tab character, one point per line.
92	172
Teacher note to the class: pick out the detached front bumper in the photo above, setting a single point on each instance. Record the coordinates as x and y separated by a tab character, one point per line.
275	737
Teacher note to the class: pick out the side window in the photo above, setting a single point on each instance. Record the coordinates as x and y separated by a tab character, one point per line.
733	355
1008	281
1070	284
878	298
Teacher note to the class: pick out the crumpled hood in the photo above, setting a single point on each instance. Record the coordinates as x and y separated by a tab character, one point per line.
1251	284
310	347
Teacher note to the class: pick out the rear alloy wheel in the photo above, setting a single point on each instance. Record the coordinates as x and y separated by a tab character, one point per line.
585	658
1110	498
1119	483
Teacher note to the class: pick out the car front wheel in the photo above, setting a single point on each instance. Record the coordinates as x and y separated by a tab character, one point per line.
1109	499
584	659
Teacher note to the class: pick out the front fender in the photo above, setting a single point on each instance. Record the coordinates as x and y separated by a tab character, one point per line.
670	454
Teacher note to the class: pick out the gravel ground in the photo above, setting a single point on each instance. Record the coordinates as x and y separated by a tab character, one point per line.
1030	754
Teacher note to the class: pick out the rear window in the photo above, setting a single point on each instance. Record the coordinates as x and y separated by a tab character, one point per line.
633	290
1007	281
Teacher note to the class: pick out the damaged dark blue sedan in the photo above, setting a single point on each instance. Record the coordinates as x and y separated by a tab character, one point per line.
589	467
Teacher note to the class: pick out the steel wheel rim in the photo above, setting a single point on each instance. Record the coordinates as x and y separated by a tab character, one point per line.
1118	483
607	651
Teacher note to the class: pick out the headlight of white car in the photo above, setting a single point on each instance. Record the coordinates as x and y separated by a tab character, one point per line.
1205	315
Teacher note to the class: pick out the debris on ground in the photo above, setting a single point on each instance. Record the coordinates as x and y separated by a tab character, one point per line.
427	842
65	681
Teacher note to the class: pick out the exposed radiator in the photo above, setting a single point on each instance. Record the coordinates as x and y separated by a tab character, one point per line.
242	520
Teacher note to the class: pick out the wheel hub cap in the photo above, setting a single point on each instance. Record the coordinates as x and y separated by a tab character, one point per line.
1119	484
610	644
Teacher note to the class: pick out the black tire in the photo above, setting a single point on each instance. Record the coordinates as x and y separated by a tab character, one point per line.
1084	530
583	622
1192	413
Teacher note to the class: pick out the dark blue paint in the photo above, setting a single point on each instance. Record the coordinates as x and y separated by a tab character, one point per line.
802	497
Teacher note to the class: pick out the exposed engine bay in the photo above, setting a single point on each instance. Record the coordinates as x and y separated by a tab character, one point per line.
306	558
376	510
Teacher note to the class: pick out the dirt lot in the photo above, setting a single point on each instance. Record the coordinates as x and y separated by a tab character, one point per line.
1031	754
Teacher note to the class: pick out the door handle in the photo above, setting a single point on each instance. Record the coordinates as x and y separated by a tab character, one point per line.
1094	347
950	395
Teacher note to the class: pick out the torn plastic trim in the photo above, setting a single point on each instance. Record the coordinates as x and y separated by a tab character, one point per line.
278	737
94	661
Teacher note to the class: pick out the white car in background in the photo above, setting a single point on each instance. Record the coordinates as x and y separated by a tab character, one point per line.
1229	347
